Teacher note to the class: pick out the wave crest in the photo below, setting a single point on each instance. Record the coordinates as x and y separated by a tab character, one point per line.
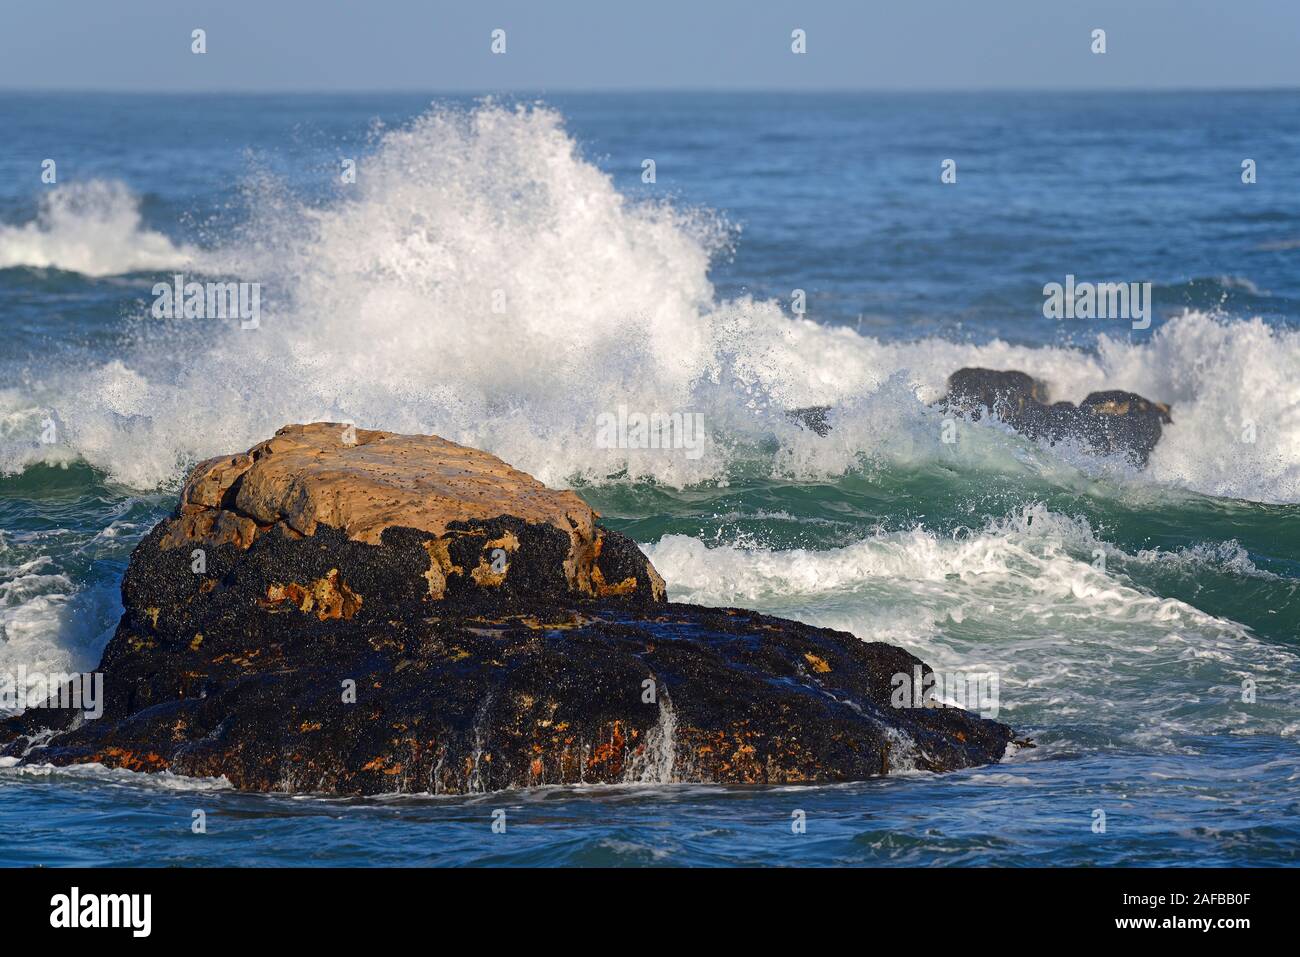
93	228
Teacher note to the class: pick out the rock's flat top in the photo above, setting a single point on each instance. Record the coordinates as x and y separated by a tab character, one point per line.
480	524
309	475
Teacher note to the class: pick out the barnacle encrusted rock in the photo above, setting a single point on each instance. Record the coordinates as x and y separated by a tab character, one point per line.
373	613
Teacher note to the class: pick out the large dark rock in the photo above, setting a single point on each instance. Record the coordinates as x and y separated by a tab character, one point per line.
425	641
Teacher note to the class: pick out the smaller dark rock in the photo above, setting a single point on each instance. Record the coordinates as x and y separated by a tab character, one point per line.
1106	422
1007	395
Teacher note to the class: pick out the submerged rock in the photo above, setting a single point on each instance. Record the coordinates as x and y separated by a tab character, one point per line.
374	613
813	417
1106	422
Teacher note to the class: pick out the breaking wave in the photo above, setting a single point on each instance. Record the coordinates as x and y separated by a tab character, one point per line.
92	228
482	280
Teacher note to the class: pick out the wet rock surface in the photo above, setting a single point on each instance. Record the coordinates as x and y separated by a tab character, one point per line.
288	629
1105	422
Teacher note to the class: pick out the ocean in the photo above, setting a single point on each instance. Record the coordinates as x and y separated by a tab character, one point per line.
503	272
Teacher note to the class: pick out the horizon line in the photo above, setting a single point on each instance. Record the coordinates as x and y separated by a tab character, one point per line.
570	91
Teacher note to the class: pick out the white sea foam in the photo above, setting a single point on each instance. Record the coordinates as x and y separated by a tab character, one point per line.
160	780
655	765
34	613
1028	566
47	623
93	228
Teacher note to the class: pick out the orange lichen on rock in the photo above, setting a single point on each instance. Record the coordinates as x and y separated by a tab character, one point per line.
495	563
440	566
819	665
625	587
607	757
329	597
131	760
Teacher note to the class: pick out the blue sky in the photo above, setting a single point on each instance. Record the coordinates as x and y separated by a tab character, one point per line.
566	45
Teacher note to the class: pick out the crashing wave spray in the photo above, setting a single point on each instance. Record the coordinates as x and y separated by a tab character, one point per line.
483	281
656	763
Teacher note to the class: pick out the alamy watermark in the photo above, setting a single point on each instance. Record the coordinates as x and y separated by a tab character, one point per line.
971	690
76	910
209	300
23	690
651	430
1098	300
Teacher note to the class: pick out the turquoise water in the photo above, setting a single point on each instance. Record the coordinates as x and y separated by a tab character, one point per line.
501	275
